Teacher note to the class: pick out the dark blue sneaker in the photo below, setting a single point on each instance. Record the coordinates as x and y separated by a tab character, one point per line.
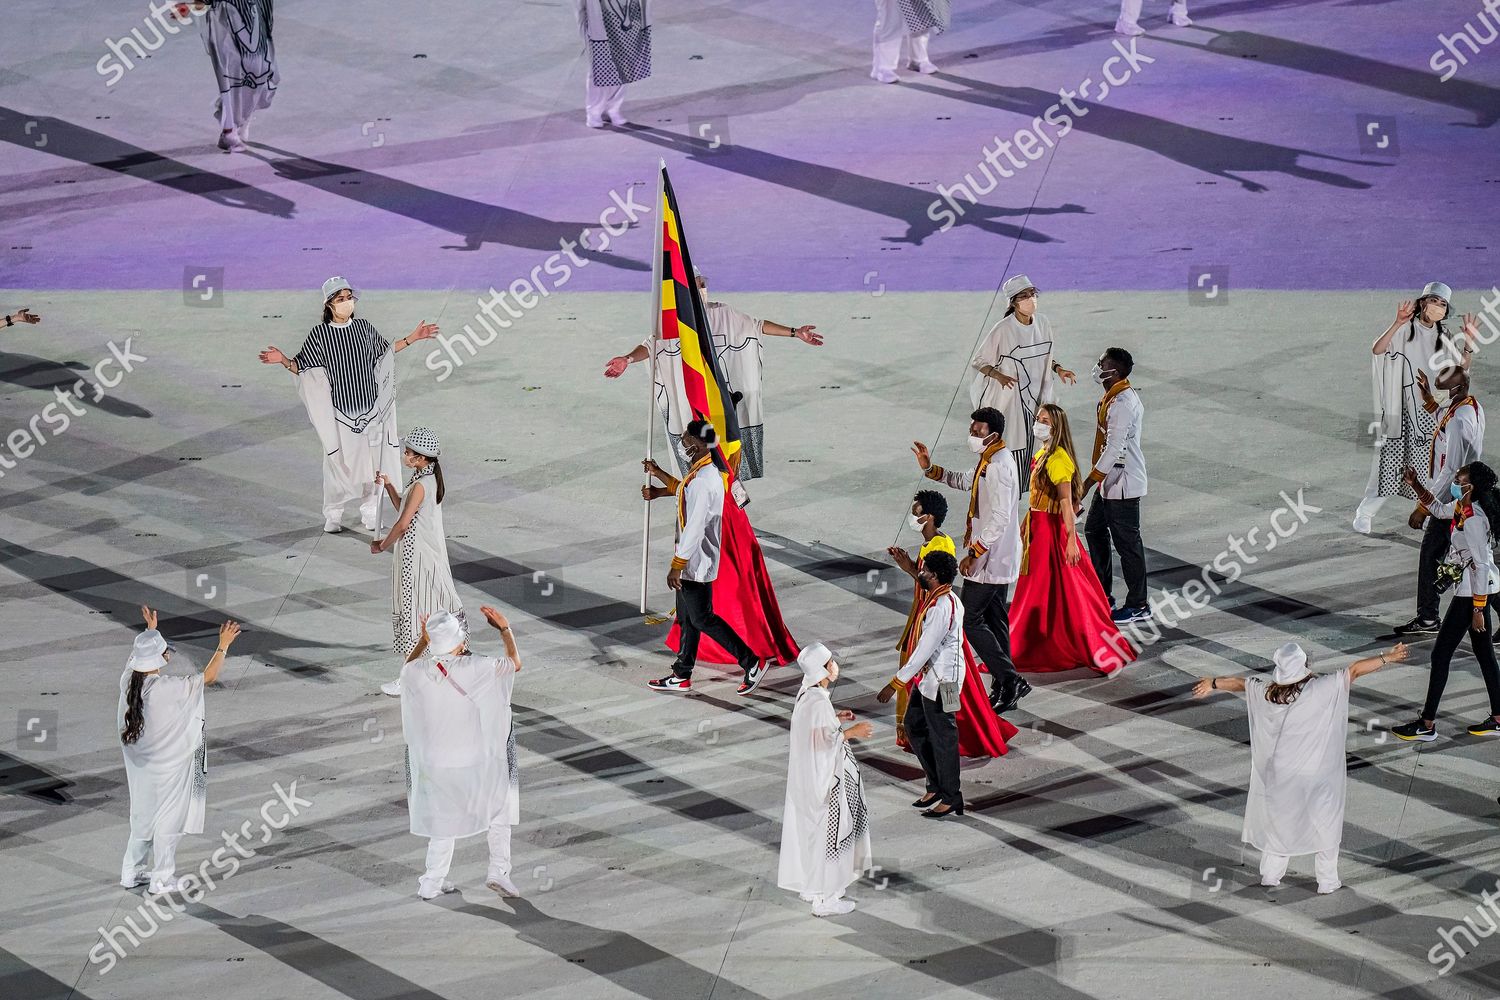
1126	615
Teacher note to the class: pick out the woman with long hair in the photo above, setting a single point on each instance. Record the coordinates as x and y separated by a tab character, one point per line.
161	720
1474	505
346	377
1298	724
421	579
1060	618
237	34
981	733
1417	342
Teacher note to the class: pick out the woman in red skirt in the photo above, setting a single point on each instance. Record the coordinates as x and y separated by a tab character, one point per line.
1060	617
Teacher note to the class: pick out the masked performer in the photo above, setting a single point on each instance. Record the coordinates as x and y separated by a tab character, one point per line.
617	45
237	34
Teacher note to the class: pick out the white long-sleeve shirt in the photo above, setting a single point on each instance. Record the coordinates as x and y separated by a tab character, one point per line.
700	518
1471	546
940	649
1459	441
994	532
1121	468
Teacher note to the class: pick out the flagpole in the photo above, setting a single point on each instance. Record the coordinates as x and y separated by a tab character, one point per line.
656	279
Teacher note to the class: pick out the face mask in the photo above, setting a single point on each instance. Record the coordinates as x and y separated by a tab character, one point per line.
915	521
1457	491
1098	375
1041	431
343	310
976	444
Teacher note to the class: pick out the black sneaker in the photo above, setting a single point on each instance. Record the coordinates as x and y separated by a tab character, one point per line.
1489	727
1415	731
1418	626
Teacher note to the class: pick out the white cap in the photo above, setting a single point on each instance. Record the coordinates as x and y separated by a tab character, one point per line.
445	633
146	656
1439	289
1291	664
814	663
1014	286
333	286
423	442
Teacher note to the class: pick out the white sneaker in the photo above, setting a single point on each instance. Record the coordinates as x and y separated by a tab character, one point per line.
130	881
1362	524
1128	29
593	122
1270	883
1180	16
164	886
367	521
884	76
244	131
392	688
926	68
832	907
617	118
230	142
1324	890
333	526
502	886
428	893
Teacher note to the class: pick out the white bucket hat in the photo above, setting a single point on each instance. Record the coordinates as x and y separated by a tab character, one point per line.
1014	286
333	286
445	633
814	663
146	654
1291	664
1439	289
423	442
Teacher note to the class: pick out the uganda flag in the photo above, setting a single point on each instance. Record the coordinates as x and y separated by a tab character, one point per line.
684	320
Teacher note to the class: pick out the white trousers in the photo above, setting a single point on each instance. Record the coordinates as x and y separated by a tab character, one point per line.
891	38
163	852
1130	12
601	101
440	857
1325	863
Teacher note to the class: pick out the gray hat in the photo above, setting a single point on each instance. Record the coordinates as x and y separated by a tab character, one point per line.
1014	286
1437	288
422	441
333	286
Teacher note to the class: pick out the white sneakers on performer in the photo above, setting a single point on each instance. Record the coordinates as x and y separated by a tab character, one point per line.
593	122
502	886
672	682
1362	524
1128	28
392	688
832	907
160	887
429	891
1180	16
230	142
883	76
1324	890
1270	883
129	880
333	525
925	68
617	118
367	521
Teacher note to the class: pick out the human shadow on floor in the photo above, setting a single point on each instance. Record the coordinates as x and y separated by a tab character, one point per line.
913	207
59	137
30	372
476	222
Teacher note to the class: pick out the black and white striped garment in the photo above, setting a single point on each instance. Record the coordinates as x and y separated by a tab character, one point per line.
350	355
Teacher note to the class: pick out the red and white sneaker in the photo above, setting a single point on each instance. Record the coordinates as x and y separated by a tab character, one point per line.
753	677
671	682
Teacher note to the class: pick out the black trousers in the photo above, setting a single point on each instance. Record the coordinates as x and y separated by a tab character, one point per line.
1118	521
1435	541
1456	622
696	618
933	735
987	627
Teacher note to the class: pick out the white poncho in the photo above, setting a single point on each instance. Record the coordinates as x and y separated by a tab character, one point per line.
825	829
1297	774
167	767
459	745
358	445
1024	353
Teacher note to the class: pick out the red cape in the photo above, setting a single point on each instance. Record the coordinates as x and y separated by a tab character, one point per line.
981	733
744	598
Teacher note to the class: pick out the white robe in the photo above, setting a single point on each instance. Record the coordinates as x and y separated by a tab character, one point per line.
825	829
167	767
1025	354
460	750
353	453
1297	773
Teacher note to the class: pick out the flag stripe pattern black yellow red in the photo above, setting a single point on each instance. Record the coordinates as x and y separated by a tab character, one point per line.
684	319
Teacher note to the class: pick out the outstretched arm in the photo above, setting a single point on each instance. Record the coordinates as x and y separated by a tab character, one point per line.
1370	664
228	632
1206	685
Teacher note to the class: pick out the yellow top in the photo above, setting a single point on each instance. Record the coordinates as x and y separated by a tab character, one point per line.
1060	467
940	543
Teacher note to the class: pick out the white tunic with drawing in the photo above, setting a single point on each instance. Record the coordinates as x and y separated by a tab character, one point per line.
167	768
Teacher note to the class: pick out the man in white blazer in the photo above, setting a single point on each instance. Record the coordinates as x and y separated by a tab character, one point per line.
1120	474
990	559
